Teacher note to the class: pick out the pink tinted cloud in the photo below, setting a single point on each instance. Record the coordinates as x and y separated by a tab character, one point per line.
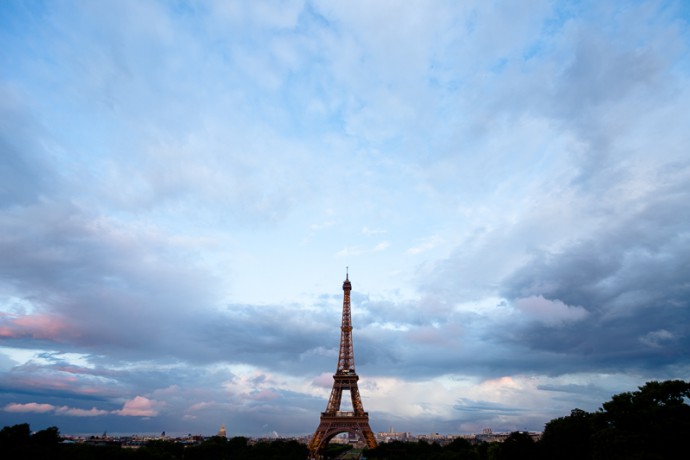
43	327
441	336
203	406
74	412
29	407
139	407
325	380
33	375
264	395
62	410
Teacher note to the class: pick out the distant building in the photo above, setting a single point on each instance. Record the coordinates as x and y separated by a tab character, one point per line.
392	435
222	432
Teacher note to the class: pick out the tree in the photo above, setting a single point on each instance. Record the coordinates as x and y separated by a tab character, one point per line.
650	423
46	438
398	450
569	437
215	447
519	445
459	449
160	450
18	442
279	450
16	435
237	447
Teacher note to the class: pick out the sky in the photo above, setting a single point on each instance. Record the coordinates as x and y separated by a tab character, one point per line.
183	184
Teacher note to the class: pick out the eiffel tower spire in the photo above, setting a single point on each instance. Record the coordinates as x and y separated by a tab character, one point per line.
346	357
333	420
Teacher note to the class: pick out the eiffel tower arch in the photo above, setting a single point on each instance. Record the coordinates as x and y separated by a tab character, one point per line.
334	421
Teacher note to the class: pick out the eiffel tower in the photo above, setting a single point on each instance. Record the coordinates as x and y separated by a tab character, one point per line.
333	420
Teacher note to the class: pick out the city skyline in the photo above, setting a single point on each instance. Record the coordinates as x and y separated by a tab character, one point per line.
182	185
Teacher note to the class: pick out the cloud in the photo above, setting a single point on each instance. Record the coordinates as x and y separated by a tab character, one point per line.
92	261
426	245
465	405
322	225
382	246
264	395
140	406
324	380
434	334
74	412
656	339
25	173
549	311
29	407
373	231
61	410
359	250
43	327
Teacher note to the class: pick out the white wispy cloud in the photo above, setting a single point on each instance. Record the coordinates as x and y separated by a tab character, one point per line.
426	244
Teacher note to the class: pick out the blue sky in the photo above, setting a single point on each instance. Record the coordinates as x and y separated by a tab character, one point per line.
182	185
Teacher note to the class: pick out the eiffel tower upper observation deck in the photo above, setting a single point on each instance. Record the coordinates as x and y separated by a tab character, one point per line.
333	420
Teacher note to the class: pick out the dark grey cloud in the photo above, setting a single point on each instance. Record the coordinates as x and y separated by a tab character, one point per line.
632	279
98	278
577	393
626	279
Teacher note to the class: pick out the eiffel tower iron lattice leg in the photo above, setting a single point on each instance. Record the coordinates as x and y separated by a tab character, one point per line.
333	420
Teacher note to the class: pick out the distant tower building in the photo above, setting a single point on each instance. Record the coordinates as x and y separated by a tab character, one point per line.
333	421
222	433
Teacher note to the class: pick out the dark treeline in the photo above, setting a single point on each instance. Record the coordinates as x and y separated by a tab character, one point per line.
650	424
17	443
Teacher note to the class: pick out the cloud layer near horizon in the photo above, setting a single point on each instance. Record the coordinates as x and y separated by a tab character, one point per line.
181	187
